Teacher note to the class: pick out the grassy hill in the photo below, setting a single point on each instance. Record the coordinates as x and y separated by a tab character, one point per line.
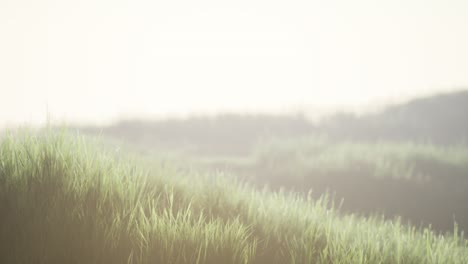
423	183
64	200
407	160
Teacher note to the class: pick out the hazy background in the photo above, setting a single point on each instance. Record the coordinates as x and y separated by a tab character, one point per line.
98	61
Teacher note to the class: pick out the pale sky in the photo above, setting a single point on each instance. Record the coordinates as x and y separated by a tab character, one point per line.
98	60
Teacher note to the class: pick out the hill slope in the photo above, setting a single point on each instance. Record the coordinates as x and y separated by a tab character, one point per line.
64	201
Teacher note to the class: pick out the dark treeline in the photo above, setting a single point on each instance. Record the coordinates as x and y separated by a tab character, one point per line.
224	134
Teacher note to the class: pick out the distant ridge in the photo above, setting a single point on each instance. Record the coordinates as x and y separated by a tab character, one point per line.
441	119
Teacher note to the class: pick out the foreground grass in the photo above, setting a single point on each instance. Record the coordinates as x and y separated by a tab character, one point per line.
62	200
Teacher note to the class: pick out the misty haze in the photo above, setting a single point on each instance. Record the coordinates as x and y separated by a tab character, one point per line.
245	132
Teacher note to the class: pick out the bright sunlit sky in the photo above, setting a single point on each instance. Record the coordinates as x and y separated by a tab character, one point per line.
98	60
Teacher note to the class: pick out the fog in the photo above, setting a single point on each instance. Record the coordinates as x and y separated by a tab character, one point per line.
99	61
233	131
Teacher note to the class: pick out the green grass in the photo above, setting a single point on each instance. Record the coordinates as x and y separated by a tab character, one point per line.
64	200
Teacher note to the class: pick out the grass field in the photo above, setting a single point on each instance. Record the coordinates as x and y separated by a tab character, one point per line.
65	200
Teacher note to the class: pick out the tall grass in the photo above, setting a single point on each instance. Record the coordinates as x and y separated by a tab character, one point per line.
64	200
